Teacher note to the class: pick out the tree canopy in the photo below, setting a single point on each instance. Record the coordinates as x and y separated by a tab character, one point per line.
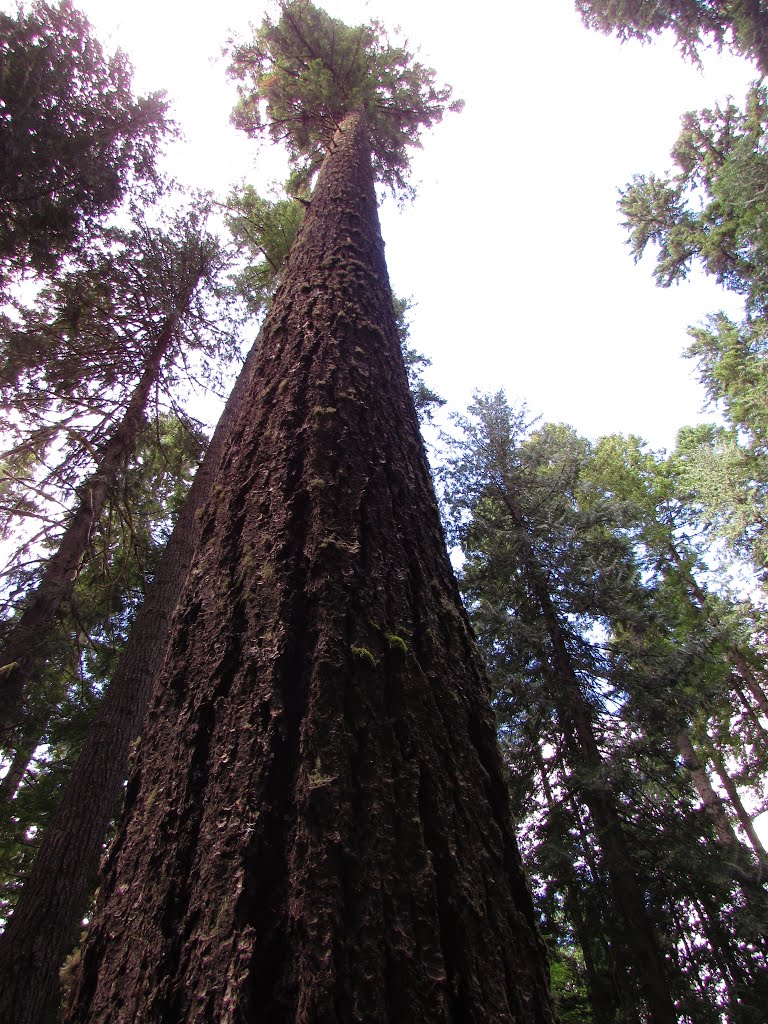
72	135
741	25
304	72
592	547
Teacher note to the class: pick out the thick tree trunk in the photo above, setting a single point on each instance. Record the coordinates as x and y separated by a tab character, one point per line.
46	920
638	940
317	825
25	643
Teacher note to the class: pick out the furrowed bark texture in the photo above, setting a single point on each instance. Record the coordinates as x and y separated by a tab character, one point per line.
317	824
46	920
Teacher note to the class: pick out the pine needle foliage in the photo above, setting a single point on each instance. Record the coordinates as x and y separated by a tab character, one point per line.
305	71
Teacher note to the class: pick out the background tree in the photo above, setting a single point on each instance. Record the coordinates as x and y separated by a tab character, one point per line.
713	212
264	230
90	632
342	828
151	297
73	137
741	25
46	920
606	532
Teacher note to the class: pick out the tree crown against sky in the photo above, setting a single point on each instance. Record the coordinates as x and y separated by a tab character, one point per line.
304	72
741	25
73	135
713	207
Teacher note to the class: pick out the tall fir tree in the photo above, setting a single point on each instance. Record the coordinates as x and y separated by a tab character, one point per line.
604	530
317	825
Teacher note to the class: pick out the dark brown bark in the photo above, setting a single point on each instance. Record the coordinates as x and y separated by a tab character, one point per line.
46	920
25	644
317	824
637	939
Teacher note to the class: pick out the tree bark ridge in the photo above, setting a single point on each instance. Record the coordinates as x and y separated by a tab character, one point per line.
317	824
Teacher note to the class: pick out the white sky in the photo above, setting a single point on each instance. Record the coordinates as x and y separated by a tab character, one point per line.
512	251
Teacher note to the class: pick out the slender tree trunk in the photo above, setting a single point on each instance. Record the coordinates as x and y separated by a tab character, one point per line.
25	643
603	1004
744	869
721	945
713	805
737	804
639	939
317	825
46	920
750	680
737	658
22	755
760	731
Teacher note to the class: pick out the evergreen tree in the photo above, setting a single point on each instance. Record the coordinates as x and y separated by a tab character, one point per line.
90	632
712	211
73	138
317	825
533	563
741	25
264	231
148	295
602	529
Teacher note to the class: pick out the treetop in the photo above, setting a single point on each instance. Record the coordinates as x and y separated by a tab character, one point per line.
304	72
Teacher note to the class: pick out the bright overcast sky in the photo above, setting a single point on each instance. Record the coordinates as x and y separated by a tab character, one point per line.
513	251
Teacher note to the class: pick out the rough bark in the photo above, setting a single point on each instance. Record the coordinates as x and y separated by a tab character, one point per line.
25	643
317	824
46	920
636	939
